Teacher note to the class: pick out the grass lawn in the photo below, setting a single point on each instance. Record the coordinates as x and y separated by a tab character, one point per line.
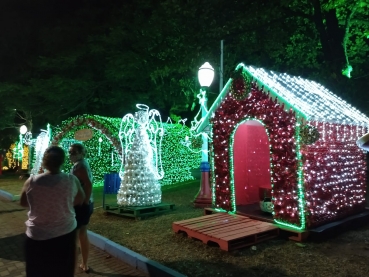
339	255
11	183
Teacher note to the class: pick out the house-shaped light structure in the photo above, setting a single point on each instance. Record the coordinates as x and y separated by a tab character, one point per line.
290	137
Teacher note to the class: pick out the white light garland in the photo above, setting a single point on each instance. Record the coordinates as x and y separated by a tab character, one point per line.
310	98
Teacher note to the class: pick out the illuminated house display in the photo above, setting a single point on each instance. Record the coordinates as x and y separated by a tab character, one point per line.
290	139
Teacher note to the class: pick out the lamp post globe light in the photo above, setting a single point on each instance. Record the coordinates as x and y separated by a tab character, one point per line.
205	75
23	129
203	197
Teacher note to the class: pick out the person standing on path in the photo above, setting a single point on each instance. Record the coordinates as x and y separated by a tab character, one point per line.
51	225
81	169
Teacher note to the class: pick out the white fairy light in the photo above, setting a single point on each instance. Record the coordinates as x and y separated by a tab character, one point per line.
310	98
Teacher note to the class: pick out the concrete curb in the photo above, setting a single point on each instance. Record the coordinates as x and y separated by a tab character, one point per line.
154	269
132	258
8	196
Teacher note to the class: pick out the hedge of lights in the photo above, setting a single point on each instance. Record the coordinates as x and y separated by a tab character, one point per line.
104	156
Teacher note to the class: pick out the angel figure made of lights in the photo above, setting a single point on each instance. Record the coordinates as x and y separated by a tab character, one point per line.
141	168
42	142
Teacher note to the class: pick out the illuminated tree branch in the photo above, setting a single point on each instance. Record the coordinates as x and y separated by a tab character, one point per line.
348	69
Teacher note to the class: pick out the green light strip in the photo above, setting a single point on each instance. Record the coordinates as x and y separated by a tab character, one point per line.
213	180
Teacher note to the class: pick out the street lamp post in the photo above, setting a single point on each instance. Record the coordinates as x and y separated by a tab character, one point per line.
22	131
203	197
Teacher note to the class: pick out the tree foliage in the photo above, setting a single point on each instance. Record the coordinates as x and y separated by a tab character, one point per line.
63	58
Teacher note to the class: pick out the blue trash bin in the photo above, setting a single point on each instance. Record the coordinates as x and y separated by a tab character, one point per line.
111	185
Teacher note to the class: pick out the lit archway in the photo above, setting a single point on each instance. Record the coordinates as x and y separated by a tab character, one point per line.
251	159
92	123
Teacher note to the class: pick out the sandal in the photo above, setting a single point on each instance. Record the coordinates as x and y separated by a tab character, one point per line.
84	270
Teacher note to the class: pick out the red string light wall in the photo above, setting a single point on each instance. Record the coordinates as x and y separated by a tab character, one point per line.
280	126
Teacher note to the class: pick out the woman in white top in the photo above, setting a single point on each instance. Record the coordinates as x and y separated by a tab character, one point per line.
81	169
51	225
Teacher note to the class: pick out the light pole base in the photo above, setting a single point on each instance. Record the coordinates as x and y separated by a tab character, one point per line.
203	198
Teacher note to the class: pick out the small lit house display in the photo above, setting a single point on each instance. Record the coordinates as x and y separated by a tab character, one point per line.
286	145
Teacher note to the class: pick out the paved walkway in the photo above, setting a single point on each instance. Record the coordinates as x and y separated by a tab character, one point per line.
12	228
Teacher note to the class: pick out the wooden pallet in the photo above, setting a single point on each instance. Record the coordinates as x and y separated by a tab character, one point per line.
229	231
294	234
139	212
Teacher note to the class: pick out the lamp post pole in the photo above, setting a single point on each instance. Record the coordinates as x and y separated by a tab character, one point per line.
22	131
1	163
203	198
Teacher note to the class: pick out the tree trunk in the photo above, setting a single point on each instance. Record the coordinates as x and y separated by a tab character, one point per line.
331	36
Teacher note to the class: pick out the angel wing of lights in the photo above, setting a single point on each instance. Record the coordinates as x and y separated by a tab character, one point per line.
42	142
151	122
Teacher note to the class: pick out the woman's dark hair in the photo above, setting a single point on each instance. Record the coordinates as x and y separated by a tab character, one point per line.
53	158
80	148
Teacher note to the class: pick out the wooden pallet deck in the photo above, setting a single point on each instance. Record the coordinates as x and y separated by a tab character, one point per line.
229	231
139	212
294	234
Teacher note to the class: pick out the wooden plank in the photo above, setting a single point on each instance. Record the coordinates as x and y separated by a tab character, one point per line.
137	208
247	241
201	218
212	223
203	223
237	232
249	223
239	226
300	237
296	235
225	229
235	235
240	233
207	221
243	241
139	212
217	227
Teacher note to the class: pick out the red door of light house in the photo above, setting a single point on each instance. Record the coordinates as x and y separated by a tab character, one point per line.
251	158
